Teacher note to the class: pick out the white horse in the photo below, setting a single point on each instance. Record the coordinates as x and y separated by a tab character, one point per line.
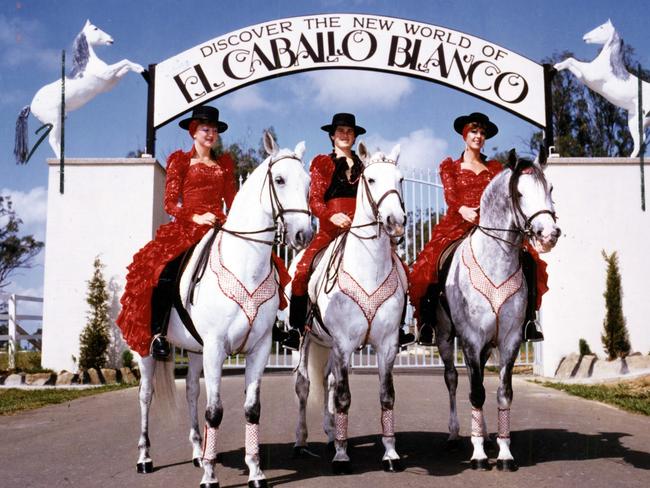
361	304
234	306
607	76
89	77
486	294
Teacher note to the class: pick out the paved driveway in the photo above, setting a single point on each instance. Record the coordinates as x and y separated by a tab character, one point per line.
557	440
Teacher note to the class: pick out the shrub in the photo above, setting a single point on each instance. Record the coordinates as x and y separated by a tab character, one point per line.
584	348
94	339
127	358
615	337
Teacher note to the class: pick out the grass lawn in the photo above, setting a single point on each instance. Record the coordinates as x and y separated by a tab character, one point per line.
633	395
14	400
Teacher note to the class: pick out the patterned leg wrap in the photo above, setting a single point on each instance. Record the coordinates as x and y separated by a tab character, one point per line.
387	423
252	439
341	421
209	444
477	422
504	423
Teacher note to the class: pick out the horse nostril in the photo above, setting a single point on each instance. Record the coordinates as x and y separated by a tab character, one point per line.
539	233
558	232
390	220
300	237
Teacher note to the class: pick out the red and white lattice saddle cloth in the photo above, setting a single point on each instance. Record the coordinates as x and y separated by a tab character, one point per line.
250	302
369	303
496	295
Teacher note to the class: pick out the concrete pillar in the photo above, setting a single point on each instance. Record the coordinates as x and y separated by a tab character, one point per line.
110	208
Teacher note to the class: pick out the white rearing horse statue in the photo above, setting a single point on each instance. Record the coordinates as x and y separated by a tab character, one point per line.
361	304
233	308
88	77
607	76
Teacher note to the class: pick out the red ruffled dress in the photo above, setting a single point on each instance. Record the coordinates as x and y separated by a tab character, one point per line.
330	192
199	188
462	187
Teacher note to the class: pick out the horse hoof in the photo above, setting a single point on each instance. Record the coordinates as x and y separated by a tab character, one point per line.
146	467
341	467
392	465
257	484
507	465
480	464
209	485
196	462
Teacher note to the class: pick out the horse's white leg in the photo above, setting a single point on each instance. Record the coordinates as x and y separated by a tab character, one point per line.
329	408
445	344
256	360
119	69
147	369
576	67
505	461
213	357
474	360
192	390
342	401
302	392
386	353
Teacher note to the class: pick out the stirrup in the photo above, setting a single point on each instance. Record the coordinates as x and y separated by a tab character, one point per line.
405	338
425	338
533	331
292	342
160	348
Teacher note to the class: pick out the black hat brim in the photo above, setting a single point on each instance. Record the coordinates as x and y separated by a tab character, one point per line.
491	128
329	128
221	126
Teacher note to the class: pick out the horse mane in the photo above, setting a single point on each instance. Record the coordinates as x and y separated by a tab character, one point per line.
616	60
525	166
80	56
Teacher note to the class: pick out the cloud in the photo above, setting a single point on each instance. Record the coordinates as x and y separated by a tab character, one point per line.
30	206
354	88
20	45
419	150
248	99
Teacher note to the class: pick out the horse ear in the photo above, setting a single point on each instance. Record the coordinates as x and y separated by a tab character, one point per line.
299	151
394	153
87	23
364	155
512	159
270	146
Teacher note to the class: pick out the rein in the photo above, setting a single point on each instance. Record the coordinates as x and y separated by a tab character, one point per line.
277	210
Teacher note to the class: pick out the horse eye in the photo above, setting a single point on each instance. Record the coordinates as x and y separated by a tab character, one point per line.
279	180
371	181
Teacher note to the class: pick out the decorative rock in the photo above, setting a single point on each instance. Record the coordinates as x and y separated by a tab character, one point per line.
40	379
93	377
15	379
127	376
66	378
637	362
110	376
585	366
608	369
568	366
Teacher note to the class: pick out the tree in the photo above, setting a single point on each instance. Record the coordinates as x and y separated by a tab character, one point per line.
94	339
15	252
246	158
615	337
585	124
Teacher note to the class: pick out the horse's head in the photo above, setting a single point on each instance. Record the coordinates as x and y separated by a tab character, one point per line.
531	201
379	195
285	191
95	36
601	34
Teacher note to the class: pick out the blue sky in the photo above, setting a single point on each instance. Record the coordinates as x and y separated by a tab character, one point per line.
416	113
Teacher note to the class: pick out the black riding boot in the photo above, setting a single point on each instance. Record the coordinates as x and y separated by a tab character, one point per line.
428	315
297	318
162	300
532	329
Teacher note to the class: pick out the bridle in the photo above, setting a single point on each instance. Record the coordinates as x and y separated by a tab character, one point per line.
374	205
525	230
277	210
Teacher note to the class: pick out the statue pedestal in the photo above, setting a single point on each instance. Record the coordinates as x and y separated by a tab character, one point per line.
110	209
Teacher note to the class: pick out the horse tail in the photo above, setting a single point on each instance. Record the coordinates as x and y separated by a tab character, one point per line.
318	369
21	144
165	388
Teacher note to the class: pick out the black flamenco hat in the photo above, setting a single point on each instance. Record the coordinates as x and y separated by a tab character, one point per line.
347	120
491	129
204	113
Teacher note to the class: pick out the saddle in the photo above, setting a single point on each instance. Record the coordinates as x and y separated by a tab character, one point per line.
442	267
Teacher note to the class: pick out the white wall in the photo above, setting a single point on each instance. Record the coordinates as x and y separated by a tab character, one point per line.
598	202
110	208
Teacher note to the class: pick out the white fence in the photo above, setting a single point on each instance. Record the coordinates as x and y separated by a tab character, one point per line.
15	332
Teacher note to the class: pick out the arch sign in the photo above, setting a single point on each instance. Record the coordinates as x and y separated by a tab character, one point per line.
292	45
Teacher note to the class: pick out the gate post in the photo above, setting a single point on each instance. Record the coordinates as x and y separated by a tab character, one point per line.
13	338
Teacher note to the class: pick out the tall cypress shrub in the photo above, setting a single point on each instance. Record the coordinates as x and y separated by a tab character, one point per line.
615	336
94	339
